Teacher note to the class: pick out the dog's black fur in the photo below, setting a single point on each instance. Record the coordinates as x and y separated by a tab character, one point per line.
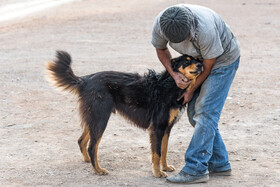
149	101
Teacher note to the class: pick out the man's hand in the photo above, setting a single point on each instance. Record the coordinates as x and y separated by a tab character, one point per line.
187	95
207	67
181	81
164	57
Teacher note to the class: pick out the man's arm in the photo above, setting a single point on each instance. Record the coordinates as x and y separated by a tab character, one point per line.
164	56
207	67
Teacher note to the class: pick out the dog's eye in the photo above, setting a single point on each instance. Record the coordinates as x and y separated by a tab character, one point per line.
186	64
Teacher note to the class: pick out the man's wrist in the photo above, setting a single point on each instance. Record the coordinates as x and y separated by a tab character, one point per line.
171	72
191	90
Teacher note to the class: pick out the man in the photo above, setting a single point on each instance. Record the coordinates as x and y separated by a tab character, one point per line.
200	32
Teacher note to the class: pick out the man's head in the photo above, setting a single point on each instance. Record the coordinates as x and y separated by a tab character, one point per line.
176	22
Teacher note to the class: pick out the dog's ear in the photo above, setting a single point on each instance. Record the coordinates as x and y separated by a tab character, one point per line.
177	62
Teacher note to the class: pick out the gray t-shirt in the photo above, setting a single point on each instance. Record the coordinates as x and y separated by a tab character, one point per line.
214	38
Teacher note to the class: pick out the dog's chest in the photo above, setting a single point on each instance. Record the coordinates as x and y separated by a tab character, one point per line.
181	112
175	115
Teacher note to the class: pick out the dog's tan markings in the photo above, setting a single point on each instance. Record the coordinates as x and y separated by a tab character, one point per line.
186	72
191	84
83	142
188	58
156	167
173	113
155	156
163	160
97	169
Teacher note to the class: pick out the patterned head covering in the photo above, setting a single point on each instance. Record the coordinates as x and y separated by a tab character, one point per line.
177	23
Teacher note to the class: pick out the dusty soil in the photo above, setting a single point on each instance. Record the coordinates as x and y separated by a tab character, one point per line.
39	126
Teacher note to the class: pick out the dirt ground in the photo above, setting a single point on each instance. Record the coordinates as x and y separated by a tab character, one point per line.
39	126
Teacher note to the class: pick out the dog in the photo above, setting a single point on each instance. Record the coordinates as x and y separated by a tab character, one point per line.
149	101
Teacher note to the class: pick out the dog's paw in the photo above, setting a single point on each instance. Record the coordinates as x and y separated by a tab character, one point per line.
101	171
168	168
160	174
87	159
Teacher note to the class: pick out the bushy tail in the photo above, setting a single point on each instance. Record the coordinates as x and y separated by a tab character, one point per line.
60	74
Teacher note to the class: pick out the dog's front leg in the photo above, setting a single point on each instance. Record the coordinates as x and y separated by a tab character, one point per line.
163	160
155	140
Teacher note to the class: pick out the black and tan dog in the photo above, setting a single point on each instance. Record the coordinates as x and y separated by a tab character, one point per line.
149	101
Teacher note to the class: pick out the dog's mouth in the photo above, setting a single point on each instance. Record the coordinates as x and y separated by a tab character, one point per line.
197	71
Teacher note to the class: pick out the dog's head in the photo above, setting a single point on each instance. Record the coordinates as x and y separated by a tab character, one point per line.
187	65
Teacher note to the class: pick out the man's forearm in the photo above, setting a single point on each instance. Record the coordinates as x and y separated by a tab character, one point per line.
207	67
164	56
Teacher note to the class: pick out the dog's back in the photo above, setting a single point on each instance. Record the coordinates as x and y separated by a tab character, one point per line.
138	98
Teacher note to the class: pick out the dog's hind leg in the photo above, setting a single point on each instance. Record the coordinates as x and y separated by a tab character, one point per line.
83	142
97	119
93	149
156	136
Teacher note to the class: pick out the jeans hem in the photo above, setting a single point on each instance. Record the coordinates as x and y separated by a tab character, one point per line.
194	173
219	169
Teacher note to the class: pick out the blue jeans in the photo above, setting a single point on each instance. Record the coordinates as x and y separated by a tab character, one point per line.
207	151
